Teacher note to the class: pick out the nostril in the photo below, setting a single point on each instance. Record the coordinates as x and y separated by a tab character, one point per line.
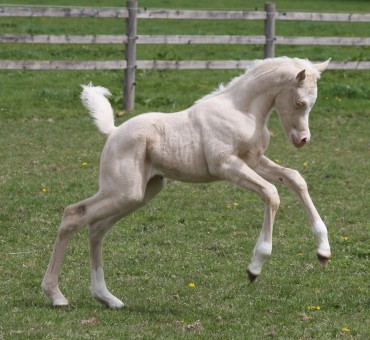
299	139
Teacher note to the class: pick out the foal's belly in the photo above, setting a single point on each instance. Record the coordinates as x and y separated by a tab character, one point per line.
178	153
182	161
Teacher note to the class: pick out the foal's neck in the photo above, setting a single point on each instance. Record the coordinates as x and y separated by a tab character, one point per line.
255	96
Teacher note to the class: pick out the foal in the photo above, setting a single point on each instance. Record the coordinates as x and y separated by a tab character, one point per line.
223	136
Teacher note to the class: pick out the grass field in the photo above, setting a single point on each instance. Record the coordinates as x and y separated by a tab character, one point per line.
201	234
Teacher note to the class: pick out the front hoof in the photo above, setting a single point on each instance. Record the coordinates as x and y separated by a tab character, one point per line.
252	277
116	304
322	259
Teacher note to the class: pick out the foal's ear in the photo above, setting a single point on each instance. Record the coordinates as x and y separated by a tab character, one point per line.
300	76
322	66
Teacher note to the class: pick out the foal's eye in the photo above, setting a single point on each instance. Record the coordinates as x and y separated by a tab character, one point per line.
300	103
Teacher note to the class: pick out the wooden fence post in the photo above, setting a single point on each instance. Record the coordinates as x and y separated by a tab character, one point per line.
270	30
130	56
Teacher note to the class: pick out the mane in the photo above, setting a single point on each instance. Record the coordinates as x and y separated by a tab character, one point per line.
260	67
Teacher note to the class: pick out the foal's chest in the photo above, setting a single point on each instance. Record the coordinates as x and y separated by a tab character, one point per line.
252	149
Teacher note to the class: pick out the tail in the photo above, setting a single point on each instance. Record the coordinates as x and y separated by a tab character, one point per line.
95	101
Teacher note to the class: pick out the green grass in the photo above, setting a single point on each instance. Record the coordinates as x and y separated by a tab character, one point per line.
187	234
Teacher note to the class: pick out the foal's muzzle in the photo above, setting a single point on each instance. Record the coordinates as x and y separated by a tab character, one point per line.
299	139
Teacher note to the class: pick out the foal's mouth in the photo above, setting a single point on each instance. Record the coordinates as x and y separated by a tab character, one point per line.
299	145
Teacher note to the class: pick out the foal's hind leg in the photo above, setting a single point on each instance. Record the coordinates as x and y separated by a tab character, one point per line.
97	232
99	290
75	216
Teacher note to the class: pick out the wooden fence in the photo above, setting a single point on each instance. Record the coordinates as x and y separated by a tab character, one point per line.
131	13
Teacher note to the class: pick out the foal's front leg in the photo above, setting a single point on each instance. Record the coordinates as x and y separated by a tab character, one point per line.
235	170
292	178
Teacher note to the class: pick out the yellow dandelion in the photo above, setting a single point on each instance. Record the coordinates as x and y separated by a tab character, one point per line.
277	161
314	308
345	238
345	329
191	285
228	206
85	164
300	254
235	204
44	190
305	164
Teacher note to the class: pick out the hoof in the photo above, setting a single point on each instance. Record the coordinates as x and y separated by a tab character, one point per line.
322	259
66	308
116	304
110	301
60	302
252	277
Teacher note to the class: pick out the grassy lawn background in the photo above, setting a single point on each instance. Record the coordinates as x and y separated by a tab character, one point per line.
191	233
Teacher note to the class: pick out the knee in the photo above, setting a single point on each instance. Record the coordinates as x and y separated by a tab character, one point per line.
271	197
75	211
74	217
297	180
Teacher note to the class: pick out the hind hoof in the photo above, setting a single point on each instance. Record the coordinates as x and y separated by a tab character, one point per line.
323	260
252	277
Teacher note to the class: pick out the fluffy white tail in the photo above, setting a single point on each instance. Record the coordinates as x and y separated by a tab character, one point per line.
94	98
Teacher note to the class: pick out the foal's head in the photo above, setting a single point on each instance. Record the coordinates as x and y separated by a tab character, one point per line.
295	100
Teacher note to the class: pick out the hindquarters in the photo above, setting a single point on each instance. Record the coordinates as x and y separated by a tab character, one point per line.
124	166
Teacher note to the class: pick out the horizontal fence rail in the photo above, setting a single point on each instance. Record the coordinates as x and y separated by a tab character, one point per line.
63	39
181	39
62	65
339	17
72	12
132	13
177	14
155	64
140	39
323	41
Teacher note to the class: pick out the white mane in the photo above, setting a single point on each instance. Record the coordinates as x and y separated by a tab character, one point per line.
270	65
